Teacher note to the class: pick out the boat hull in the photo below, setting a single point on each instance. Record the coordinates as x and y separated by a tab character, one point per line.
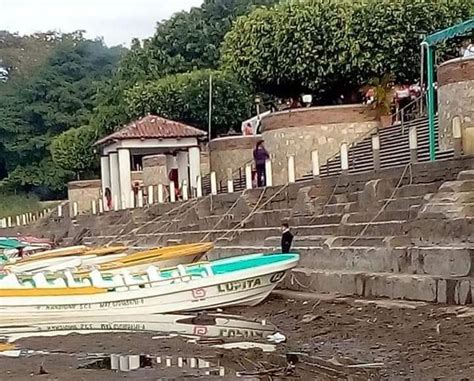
244	289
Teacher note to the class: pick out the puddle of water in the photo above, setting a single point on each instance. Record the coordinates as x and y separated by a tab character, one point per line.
168	365
189	326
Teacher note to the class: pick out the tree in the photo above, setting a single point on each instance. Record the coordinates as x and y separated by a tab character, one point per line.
189	40
73	150
332	47
60	95
184	97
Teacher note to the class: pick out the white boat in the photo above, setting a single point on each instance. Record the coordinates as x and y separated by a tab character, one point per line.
243	281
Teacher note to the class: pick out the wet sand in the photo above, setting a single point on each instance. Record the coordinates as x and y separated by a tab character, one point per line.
334	339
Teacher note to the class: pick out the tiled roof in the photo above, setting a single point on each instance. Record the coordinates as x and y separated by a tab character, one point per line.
153	127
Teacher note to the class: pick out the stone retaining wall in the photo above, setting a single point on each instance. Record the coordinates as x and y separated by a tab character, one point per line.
456	100
299	132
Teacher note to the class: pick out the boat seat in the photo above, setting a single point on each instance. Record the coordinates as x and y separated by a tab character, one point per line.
207	270
100	282
75	283
153	274
131	280
11	281
41	282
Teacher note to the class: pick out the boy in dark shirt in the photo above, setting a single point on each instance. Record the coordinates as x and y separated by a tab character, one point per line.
286	238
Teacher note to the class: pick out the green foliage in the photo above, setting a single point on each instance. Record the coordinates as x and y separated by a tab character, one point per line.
73	150
184	97
332	47
187	41
12	205
59	96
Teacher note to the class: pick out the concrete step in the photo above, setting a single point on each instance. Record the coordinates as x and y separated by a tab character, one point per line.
346	207
383	285
403	203
434	261
386	215
416	190
250	236
299	241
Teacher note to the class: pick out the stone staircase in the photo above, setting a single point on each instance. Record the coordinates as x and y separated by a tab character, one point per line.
402	233
394	148
358	234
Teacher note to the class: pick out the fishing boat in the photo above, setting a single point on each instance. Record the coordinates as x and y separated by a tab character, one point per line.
80	259
236	281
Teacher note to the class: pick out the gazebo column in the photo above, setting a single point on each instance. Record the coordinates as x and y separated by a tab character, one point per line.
125	176
105	175
194	165
114	177
183	173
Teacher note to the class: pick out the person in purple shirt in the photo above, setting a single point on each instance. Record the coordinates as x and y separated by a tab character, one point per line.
260	155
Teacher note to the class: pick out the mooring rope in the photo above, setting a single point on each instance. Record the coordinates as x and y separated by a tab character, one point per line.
389	200
254	210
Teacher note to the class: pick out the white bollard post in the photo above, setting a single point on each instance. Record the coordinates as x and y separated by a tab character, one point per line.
344	157
74	209
213	183
150	195
60	210
3	223
161	198
24	219
315	161
248	176
230	186
9	222
30	216
230	181
376	151
94	207
199	187
116	202
101	206
413	143
172	192
132	201
291	170
140	198
269	173
18	223
184	190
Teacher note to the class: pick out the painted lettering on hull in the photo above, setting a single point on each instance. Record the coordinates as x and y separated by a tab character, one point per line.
89	306
239	285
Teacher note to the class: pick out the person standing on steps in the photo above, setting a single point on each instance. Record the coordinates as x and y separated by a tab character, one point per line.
286	238
260	156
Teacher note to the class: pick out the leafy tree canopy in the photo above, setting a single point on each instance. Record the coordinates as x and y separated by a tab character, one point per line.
330	47
187	41
184	97
73	150
59	96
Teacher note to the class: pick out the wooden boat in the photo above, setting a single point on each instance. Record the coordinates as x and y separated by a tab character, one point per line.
244	280
110	259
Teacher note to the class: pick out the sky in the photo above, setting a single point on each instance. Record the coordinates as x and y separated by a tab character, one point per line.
117	21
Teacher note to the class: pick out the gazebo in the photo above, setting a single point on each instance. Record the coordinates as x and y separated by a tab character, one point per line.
125	149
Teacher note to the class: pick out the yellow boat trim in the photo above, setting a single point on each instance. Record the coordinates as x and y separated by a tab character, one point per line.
6	347
80	251
66	291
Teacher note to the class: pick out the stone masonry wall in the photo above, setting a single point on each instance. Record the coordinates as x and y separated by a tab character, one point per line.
232	152
83	193
299	132
154	170
456	99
